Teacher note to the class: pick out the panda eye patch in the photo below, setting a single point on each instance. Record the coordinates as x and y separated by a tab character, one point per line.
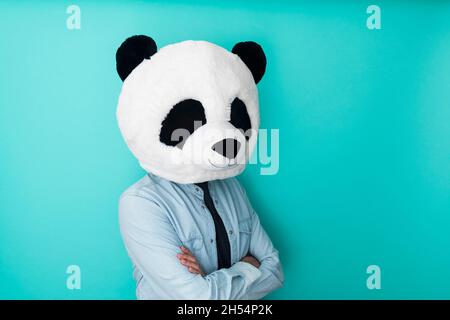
239	117
182	120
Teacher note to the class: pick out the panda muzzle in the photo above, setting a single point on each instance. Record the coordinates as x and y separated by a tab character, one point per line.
228	148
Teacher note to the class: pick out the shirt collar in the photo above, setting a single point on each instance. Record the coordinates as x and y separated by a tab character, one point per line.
190	187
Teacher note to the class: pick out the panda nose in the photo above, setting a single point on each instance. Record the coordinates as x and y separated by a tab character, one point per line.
227	147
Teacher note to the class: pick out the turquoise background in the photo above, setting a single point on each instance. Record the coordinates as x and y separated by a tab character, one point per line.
364	142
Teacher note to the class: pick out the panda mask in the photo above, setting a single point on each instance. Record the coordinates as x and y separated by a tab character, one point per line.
189	112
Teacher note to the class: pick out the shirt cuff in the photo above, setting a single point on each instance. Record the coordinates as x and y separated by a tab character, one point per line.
251	273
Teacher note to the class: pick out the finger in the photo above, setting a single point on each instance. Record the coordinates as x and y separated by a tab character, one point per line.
185	250
187	257
190	264
187	253
197	271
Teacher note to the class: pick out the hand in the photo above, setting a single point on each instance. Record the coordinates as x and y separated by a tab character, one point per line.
188	260
252	260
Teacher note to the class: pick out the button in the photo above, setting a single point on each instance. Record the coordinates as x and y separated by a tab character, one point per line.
197	189
231	231
212	240
203	207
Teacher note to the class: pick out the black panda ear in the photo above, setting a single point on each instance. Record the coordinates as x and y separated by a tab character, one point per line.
253	56
131	53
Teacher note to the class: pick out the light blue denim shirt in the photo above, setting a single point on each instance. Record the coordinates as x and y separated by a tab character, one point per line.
157	216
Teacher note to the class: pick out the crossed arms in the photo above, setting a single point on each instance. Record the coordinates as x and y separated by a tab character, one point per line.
154	247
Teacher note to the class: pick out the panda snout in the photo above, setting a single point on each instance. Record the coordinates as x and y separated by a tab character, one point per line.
228	148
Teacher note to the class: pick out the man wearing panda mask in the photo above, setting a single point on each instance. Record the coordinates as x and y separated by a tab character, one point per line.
189	113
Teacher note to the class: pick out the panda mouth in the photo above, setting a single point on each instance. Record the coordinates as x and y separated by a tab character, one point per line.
222	167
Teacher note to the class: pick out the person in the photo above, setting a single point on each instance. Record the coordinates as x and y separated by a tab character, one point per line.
188	225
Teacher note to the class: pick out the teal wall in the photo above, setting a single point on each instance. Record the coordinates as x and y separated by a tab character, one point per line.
363	117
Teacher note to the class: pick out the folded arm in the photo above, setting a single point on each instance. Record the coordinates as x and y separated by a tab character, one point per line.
262	255
262	249
153	245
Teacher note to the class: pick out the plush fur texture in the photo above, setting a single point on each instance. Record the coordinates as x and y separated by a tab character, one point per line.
131	53
253	56
188	114
190	71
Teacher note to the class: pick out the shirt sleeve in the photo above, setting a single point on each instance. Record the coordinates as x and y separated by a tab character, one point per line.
153	245
261	248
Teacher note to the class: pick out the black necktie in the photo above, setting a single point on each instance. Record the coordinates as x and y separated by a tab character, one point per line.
222	241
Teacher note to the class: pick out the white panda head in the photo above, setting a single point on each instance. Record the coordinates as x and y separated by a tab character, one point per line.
189	112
